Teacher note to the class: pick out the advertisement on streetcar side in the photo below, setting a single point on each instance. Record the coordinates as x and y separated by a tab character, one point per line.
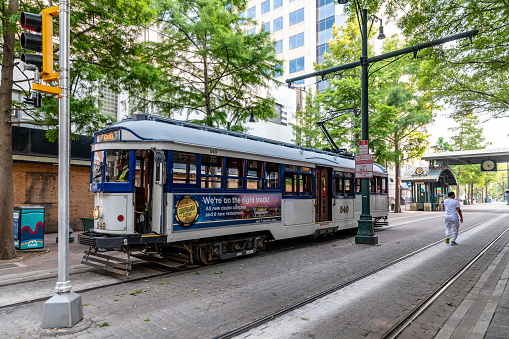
195	211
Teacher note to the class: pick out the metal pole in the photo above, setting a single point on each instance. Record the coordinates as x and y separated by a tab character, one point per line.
366	232
63	284
65	309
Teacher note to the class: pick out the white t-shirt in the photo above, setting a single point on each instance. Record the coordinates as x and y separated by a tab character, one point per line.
450	206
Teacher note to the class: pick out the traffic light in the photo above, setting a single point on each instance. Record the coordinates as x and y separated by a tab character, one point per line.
40	23
35	100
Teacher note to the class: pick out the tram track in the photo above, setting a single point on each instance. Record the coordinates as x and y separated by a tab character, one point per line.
398	328
194	267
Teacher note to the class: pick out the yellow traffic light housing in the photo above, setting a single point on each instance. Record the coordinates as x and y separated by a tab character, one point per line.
47	73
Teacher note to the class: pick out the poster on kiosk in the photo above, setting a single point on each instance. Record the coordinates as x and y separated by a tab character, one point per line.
28	227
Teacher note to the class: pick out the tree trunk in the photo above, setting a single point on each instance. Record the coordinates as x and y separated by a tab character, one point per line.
397	195
7	250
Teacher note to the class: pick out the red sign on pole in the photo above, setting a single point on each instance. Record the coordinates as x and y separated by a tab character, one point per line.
363	147
364	166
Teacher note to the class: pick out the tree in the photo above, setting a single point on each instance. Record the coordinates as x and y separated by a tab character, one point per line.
465	75
104	47
209	66
468	137
397	114
442	145
8	14
307	132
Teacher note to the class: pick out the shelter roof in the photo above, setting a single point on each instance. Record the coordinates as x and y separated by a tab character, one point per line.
427	174
475	156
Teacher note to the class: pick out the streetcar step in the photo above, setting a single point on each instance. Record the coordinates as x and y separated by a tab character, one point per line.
107	262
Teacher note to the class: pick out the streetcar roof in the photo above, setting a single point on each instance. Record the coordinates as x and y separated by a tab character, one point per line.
174	131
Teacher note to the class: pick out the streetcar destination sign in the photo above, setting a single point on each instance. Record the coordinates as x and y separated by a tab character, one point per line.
364	166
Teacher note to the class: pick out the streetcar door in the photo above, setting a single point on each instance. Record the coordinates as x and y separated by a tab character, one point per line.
323	194
157	200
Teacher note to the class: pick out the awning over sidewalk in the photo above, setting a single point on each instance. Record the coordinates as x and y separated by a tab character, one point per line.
475	156
444	174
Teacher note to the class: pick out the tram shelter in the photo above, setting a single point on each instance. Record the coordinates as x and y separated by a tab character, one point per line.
429	186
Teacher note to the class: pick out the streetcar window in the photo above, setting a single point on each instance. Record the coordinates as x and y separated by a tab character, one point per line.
349	187
372	184
338	184
97	167
117	166
184	168
291	180
254	174
234	173
358	187
272	175
211	171
378	184
306	184
384	185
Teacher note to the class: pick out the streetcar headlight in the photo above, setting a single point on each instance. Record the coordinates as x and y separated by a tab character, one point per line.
98	212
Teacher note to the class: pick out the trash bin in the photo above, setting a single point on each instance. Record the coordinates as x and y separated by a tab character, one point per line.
392	206
28	227
464	201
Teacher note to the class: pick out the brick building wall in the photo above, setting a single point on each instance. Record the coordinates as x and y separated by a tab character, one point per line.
37	184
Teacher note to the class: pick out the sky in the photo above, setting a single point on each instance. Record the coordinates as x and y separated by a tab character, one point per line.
495	131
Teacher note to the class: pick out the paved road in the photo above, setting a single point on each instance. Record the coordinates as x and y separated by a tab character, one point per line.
213	300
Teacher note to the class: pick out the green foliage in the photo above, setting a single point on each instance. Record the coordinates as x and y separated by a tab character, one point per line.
397	114
442	146
105	48
207	66
466	76
306	131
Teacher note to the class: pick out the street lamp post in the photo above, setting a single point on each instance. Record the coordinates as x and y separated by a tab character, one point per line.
366	231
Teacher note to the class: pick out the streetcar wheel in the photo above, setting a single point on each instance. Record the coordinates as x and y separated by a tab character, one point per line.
205	255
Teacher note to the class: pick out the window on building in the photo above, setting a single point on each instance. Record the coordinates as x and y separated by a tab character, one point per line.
265	7
272	175
296	17
251	31
211	166
278	46
280	115
296	40
234	173
184	168
320	52
325	11
251	12
296	65
277	24
277	4
299	82
109	102
320	3
266	26
254	175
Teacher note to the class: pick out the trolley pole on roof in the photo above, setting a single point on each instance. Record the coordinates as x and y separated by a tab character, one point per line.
64	309
366	233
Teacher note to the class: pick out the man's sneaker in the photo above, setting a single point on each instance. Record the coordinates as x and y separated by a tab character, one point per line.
447	240
454	243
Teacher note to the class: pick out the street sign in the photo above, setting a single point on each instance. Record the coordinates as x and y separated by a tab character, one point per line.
364	166
363	147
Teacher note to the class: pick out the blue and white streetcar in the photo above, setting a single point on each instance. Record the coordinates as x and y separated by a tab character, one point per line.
192	193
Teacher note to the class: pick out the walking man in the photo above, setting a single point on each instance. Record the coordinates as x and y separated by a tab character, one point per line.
452	210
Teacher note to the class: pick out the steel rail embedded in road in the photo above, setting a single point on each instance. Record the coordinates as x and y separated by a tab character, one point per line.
304	302
404	323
